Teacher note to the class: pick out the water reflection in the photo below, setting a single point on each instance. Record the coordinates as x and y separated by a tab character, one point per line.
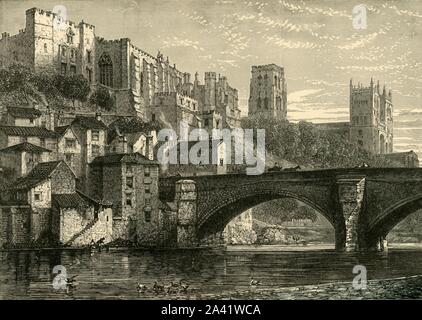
28	274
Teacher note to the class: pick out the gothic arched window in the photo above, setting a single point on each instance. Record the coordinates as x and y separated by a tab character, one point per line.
106	70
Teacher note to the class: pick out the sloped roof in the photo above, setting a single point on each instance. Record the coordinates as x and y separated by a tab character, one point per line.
61	130
28	131
90	123
20	112
71	200
39	173
135	158
25	146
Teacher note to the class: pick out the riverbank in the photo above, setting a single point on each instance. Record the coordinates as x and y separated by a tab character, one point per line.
397	288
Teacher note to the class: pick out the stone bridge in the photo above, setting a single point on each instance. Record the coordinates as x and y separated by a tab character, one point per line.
362	204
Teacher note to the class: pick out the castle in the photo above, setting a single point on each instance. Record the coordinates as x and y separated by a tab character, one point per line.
268	92
136	79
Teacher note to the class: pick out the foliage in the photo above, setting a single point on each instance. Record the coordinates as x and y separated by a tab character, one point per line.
73	86
14	78
101	97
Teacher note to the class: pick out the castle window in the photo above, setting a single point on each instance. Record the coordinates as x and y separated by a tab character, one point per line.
360	132
89	74
72	54
88	56
106	70
63	51
258	105
266	103
73	69
63	68
147	189
153	117
15	56
206	123
45	48
70	35
147	216
360	143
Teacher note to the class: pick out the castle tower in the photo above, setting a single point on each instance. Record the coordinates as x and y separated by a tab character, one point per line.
268	91
371	118
210	80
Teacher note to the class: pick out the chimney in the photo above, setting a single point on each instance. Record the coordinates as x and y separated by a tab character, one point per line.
50	119
123	140
149	150
98	116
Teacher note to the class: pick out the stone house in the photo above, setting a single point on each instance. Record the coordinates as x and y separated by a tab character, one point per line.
22	117
69	148
23	157
91	134
36	206
130	182
77	219
40	136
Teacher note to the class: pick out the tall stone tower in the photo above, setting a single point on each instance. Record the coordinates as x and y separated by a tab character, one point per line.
210	80
268	91
371	118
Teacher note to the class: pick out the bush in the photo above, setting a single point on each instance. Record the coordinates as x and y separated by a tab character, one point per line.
101	97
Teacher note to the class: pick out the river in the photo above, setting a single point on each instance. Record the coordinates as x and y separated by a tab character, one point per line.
209	273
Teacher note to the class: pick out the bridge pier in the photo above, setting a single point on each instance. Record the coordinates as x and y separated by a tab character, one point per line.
186	197
350	191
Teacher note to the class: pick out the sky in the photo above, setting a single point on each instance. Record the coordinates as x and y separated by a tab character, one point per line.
314	41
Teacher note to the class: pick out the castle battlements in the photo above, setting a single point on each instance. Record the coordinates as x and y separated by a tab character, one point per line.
52	15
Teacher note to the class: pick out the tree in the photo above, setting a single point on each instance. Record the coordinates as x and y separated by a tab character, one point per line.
14	78
102	98
73	87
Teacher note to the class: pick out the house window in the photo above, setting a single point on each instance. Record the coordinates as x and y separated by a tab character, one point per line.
360	143
72	54
146	172
153	117
128	168
129	182
95	135
69	158
42	142
147	189
206	122
95	150
63	68
129	199
38	196
70	143
147	215
221	162
106	70
147	201
73	69
31	121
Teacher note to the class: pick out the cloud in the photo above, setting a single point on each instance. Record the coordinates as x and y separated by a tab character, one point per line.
301	95
172	42
289	44
303	9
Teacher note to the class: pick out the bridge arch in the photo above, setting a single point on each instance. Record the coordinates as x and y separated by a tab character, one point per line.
217	217
390	217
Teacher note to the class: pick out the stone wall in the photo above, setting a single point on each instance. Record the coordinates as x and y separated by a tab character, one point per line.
15	228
